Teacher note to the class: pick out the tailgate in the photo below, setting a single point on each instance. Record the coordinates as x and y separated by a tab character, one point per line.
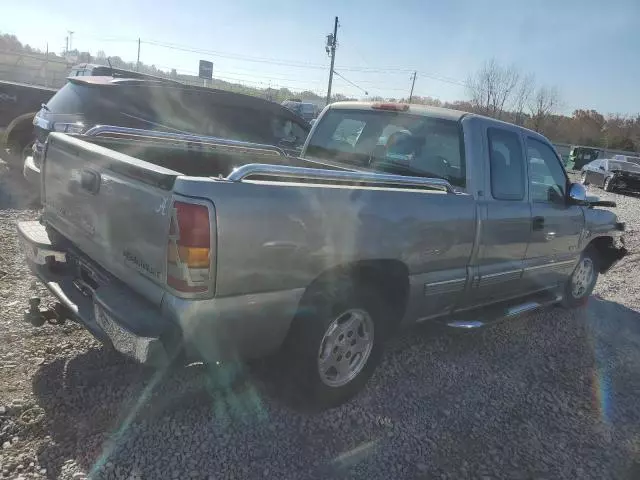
112	207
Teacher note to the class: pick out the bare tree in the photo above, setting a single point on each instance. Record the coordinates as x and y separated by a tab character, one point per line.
522	96
492	87
544	102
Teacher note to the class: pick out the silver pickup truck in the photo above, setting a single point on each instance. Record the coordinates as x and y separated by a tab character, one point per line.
170	246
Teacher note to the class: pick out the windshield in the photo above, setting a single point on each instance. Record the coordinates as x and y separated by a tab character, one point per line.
391	142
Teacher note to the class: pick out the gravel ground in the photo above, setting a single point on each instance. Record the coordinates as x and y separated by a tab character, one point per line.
553	395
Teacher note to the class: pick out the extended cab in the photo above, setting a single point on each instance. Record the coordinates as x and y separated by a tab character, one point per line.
396	214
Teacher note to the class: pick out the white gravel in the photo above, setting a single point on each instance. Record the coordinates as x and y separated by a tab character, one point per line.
554	395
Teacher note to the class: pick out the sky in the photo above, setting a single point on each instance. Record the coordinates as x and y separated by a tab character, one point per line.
589	50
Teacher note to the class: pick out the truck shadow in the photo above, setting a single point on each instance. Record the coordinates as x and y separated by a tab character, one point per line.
433	394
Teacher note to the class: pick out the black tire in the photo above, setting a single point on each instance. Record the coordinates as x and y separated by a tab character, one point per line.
583	179
19	149
571	297
607	186
325	303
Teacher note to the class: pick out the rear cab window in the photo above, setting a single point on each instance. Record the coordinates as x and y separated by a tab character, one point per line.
391	142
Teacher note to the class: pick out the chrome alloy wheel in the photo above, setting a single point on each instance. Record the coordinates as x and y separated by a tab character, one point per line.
582	277
345	347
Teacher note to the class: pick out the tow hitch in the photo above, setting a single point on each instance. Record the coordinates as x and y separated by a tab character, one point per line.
36	317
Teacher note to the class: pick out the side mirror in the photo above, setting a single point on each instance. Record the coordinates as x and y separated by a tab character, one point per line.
577	193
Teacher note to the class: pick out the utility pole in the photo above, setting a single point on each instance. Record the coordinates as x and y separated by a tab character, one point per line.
46	67
413	84
138	62
332	40
69	40
66	48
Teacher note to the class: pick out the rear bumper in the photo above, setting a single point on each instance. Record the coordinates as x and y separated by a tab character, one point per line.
112	313
229	328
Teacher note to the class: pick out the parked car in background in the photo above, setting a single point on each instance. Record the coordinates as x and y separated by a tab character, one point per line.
612	174
306	110
19	102
627	158
162	250
579	156
86	101
95	70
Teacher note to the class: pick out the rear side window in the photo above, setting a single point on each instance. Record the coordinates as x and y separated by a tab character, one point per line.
71	98
506	165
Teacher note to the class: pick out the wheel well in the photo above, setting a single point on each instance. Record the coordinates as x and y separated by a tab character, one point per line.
606	250
20	129
390	278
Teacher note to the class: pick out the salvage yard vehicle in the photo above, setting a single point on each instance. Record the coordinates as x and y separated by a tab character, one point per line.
579	156
611	174
18	104
167	246
162	105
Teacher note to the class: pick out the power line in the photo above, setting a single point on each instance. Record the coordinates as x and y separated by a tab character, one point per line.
351	83
391	70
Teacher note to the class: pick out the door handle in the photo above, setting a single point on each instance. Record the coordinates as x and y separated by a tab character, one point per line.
90	181
550	236
537	223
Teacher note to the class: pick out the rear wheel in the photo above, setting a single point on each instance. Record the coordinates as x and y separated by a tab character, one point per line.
583	179
582	281
335	342
19	143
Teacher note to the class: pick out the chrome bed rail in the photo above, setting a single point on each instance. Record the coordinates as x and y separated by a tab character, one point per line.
302	173
154	136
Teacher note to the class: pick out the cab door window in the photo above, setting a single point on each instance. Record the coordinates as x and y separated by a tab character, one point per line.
547	178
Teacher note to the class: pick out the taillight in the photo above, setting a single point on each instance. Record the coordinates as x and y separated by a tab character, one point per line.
189	248
395	107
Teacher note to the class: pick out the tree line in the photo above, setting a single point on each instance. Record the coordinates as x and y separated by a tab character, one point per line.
507	94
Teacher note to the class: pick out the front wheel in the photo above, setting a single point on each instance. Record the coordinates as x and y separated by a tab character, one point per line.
335	342
608	185
583	179
582	281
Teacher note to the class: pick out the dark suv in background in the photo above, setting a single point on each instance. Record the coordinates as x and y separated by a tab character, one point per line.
87	101
306	110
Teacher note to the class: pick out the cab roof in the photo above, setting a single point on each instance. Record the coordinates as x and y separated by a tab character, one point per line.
423	110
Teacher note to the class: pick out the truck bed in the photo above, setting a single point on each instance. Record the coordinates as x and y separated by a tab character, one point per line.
192	155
